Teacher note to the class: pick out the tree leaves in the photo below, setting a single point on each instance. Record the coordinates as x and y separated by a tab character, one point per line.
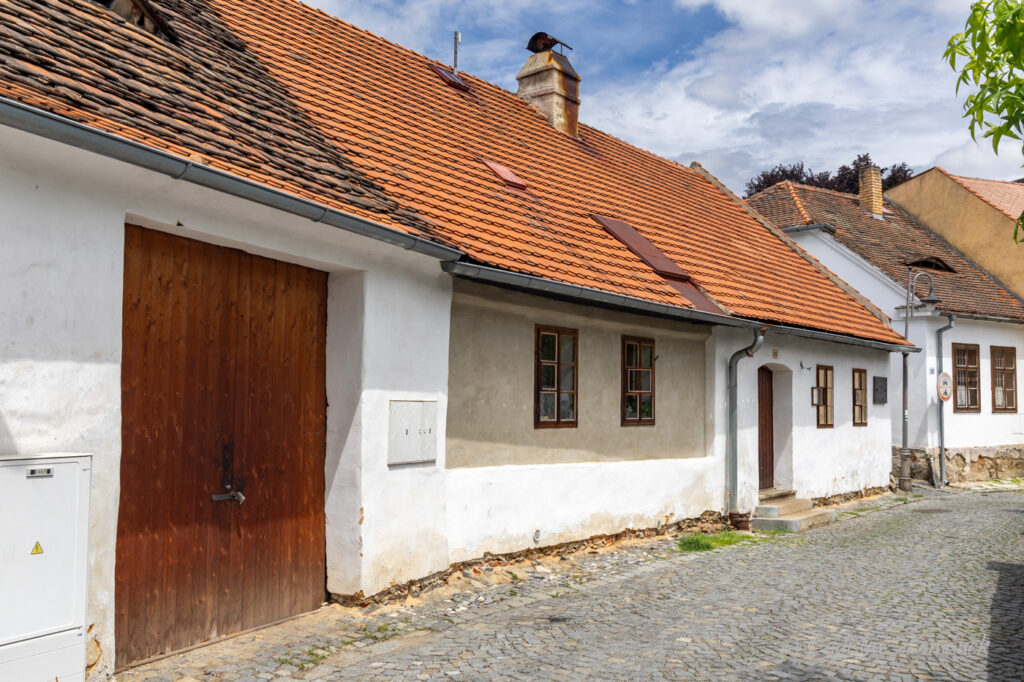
989	56
845	178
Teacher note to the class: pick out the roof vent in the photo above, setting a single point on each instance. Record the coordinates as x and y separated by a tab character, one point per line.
506	176
931	263
142	14
450	78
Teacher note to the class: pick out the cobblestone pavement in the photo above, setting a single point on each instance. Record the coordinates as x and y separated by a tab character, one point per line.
930	589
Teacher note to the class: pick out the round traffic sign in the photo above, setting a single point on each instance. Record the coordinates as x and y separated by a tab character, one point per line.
945	386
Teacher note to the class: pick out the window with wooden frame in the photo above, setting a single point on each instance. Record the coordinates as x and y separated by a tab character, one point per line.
823	396
637	381
557	357
1004	379
860	397
966	376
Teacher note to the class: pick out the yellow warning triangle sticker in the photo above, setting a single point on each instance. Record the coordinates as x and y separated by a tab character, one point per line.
37	549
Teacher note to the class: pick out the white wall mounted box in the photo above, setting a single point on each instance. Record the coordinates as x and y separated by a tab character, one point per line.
412	432
44	539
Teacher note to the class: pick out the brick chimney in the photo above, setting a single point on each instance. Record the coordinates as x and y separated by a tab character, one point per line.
548	82
870	180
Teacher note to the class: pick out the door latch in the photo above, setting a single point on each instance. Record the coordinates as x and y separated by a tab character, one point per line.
234	495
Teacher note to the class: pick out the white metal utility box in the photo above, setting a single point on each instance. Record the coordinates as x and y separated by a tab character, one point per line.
44	540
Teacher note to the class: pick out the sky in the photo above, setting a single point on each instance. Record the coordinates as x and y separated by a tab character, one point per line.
738	85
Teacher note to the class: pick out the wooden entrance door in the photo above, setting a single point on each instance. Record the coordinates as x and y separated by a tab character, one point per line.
765	430
222	392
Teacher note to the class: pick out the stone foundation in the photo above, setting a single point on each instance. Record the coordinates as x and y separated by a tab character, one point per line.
981	463
843	498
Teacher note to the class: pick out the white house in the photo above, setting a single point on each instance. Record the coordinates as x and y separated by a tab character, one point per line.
328	317
975	332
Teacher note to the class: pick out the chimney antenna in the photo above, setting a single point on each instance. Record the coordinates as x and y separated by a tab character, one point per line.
457	38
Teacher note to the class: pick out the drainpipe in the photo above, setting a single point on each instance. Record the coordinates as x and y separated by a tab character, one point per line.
905	483
730	448
942	405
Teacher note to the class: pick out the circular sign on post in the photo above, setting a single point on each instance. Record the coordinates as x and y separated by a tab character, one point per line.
945	387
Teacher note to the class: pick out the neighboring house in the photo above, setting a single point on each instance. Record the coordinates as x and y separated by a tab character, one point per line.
324	312
872	244
977	217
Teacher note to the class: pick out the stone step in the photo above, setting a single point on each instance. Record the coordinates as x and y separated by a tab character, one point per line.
782	507
794	523
772	495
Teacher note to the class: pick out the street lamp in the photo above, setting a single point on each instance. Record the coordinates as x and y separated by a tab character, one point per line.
927	303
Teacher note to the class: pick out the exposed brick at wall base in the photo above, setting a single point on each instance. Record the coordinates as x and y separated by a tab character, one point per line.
843	498
981	463
707	522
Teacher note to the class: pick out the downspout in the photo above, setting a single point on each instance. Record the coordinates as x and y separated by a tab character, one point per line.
942	405
732	460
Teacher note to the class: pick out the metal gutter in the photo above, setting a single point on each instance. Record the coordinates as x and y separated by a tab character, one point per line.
39	122
491	275
731	448
942	403
824	227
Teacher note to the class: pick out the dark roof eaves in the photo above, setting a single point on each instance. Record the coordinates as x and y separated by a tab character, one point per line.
51	126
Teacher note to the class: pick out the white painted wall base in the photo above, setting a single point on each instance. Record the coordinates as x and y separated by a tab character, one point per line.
499	509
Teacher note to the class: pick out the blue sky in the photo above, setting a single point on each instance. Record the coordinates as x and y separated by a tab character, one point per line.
738	85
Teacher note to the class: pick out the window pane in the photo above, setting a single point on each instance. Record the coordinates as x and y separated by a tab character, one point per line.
567	406
547	407
645	379
647	406
631	407
547	376
547	347
647	356
633	382
568	377
1000	400
632	355
568	348
1011	399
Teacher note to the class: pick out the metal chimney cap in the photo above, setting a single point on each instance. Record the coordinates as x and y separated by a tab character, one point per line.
542	42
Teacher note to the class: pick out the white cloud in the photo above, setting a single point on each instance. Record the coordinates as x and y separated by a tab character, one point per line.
817	81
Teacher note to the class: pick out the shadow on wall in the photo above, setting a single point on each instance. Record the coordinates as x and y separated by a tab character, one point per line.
1006	640
7	444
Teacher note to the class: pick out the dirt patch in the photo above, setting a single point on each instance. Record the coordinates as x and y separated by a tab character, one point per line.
843	498
495	568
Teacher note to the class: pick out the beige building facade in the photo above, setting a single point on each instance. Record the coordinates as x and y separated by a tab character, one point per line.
492	422
975	216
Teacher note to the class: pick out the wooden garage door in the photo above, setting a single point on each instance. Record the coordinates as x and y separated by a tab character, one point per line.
222	392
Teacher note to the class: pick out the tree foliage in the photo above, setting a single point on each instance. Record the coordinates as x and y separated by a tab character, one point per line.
988	55
844	179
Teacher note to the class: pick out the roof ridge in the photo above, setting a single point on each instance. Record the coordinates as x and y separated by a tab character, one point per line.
807	256
799	204
960	181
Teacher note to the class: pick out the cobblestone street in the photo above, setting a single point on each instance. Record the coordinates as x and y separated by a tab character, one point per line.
928	589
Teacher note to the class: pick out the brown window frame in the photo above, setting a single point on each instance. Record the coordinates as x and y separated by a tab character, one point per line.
976	369
626	391
825	408
863	402
1011	372
538	364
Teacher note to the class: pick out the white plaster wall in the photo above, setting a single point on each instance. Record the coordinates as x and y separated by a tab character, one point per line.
969	429
498	509
62	230
824	462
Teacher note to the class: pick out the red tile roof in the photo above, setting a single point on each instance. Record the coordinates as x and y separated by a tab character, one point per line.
890	244
288	96
1007	197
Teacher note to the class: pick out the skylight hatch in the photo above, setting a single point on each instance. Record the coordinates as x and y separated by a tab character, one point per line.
505	175
450	78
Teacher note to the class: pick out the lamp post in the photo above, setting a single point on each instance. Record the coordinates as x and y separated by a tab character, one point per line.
928	303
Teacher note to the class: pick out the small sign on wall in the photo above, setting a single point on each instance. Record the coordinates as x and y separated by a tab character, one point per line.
880	390
945	386
412	431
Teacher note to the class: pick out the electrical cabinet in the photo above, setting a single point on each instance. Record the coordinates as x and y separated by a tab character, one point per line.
44	539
